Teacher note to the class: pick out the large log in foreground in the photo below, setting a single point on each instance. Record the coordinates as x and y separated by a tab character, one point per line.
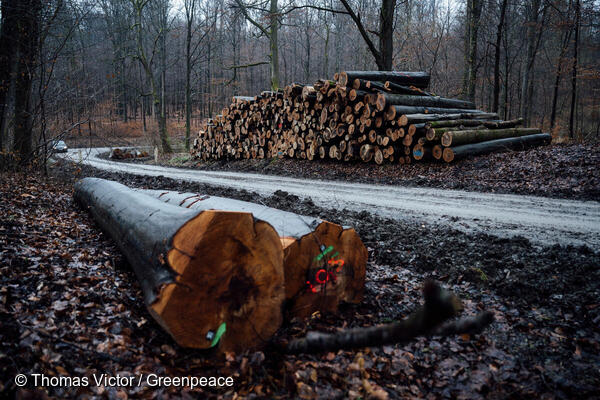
209	277
324	263
516	143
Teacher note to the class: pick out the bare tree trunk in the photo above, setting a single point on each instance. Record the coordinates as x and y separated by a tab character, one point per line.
386	34
307	23
533	11
558	73
470	76
384	55
189	11
338	42
496	94
273	37
326	51
574	74
507	69
208	100
28	31
142	102
157	108
124	99
162	120
8	51
236	44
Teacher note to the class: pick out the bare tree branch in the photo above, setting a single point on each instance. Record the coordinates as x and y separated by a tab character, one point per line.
362	30
244	11
331	10
234	67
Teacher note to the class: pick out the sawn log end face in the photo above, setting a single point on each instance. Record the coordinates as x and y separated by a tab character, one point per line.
229	270
323	269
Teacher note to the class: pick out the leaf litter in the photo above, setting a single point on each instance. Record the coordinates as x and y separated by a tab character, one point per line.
71	306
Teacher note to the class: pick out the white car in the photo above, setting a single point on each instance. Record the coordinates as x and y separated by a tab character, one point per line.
58	146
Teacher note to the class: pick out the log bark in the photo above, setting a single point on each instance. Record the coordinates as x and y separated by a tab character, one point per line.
200	270
401	89
303	239
417	79
407	110
373	86
456	138
436	129
494	124
440	305
426	101
436	134
242	99
499	145
420	117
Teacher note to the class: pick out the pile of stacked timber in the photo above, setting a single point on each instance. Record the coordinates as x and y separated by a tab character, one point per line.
360	115
124	154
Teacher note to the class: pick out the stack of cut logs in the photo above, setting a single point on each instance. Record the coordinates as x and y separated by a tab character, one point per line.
387	117
124	154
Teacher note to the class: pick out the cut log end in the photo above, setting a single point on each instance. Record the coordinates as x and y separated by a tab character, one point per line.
436	152
390	114
378	156
380	102
343	78
402	120
446	139
235	274
419	152
324	268
448	154
430	134
412	129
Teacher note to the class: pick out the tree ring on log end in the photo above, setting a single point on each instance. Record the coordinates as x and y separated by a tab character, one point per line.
305	291
233	265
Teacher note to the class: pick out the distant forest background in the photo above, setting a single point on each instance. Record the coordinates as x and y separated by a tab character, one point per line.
128	68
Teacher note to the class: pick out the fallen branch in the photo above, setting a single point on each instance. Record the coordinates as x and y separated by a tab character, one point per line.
440	305
470	325
254	64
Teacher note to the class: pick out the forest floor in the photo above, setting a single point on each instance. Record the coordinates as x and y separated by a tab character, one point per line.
559	170
71	306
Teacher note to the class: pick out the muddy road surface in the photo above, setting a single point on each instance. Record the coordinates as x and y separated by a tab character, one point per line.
540	220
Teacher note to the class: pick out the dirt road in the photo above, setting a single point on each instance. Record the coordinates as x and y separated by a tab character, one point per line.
539	219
